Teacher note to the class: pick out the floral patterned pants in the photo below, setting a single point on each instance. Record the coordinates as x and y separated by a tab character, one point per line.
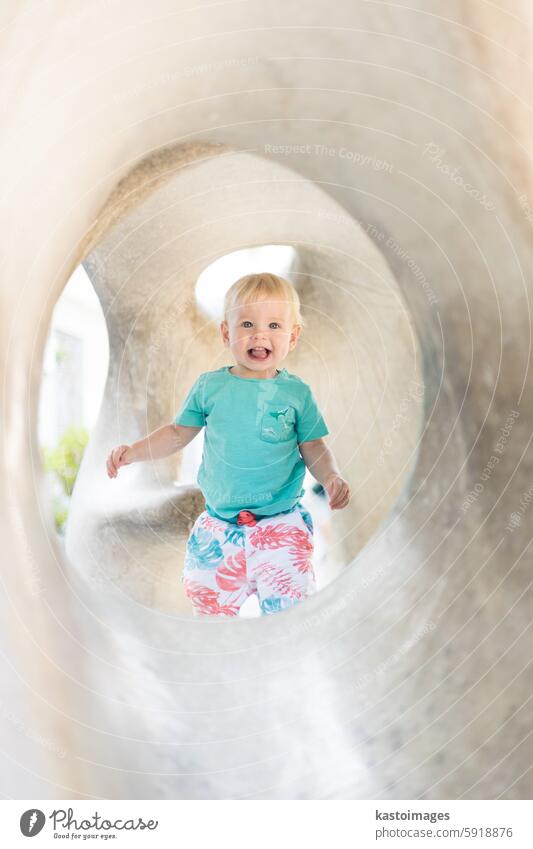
270	556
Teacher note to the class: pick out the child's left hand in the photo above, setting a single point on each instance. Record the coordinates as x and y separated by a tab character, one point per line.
338	491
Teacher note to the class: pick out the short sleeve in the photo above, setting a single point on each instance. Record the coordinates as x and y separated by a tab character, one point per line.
310	423
191	412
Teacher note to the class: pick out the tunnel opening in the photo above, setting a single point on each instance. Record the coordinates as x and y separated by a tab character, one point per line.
359	353
75	366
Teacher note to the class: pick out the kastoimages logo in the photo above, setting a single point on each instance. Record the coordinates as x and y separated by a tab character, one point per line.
31	822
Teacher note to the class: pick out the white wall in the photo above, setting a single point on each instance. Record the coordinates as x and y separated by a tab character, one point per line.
71	391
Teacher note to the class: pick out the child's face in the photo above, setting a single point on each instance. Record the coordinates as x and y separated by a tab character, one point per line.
264	325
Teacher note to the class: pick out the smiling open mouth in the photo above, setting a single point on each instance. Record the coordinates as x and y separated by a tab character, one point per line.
259	353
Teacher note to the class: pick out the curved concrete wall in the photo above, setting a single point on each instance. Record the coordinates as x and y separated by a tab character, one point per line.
414	123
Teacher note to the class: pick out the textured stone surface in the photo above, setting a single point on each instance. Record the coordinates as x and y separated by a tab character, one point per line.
408	676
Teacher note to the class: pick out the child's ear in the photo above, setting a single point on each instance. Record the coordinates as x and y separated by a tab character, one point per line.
224	332
295	332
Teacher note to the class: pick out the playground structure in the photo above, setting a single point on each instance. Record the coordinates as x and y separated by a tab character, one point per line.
382	144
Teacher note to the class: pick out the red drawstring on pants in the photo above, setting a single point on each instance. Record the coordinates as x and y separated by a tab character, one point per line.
245	517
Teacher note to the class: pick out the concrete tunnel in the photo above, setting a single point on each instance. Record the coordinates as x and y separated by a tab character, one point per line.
389	147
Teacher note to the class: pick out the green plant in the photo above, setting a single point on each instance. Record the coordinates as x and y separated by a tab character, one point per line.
61	354
64	462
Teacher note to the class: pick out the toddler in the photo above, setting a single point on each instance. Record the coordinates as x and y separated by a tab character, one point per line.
263	428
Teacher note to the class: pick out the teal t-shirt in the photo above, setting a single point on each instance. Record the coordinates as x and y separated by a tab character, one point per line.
253	427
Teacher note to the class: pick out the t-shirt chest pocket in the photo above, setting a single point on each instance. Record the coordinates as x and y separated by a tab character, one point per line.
278	422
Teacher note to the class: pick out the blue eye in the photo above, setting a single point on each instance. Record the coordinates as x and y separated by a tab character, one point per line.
273	324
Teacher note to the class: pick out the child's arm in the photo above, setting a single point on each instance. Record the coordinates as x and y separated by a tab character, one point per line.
321	463
160	443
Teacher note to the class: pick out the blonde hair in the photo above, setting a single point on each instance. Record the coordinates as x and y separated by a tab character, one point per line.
255	287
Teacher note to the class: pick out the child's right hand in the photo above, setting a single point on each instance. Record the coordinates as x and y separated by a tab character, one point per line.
119	456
